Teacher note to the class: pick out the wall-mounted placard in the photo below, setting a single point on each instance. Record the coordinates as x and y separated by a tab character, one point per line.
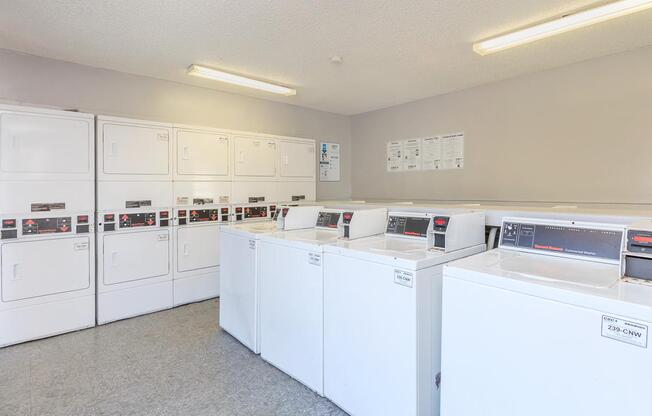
412	154
395	156
329	162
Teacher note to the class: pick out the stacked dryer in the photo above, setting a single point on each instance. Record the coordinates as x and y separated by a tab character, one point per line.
134	204
273	168
47	278
202	193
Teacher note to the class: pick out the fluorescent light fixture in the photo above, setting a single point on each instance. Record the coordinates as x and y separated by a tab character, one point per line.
564	24
217	75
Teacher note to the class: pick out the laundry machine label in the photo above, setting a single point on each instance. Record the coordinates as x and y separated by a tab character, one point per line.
47	206
624	331
183	200
252	244
314	259
403	278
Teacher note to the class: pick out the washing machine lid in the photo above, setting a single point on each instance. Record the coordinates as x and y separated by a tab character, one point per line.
252	229
308	239
580	282
398	252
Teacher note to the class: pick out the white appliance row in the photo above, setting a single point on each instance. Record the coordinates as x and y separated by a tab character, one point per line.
352	313
251	168
57	204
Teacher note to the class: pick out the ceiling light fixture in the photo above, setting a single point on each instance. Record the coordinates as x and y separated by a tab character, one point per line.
217	75
563	24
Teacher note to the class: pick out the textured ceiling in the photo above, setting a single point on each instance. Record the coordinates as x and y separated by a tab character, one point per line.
393	51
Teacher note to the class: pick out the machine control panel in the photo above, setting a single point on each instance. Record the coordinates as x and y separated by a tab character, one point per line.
141	219
408	226
47	225
347	217
639	241
255	212
113	221
637	257
571	240
204	215
250	212
33	226
328	219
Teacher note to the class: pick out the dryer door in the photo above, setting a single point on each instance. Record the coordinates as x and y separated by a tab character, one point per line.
135	150
201	153
34	144
45	267
135	256
297	159
198	247
255	157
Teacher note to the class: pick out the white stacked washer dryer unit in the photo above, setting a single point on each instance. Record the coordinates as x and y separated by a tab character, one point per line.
134	202
202	193
47	244
382	312
239	256
544	325
272	168
292	290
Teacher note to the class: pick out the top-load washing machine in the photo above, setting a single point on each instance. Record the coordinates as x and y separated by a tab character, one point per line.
135	217
292	289
239	280
202	194
47	255
544	325
382	312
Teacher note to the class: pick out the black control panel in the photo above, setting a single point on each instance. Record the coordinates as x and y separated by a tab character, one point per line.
255	212
328	219
141	219
14	227
408	226
47	225
224	212
570	240
347	217
639	241
204	215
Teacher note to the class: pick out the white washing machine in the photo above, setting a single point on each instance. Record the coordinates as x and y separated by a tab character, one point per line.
382	312
239	281
199	216
47	256
292	290
543	325
135	262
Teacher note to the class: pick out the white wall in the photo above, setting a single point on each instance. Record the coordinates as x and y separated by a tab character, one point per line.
40	81
581	133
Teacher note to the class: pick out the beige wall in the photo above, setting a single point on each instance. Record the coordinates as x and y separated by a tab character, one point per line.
581	133
40	81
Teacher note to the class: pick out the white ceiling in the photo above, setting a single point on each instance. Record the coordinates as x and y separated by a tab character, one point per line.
393	51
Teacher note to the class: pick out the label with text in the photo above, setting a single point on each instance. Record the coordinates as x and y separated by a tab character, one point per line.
403	278
624	331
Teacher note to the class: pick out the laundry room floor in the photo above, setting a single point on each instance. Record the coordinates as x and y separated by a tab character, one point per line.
175	362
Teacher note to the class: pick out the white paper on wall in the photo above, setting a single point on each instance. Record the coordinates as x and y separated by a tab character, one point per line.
395	156
452	151
431	153
329	162
412	154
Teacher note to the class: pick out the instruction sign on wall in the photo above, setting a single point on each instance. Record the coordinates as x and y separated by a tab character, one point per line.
428	153
329	162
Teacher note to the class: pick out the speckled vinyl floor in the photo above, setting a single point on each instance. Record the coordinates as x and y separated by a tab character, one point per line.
175	362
